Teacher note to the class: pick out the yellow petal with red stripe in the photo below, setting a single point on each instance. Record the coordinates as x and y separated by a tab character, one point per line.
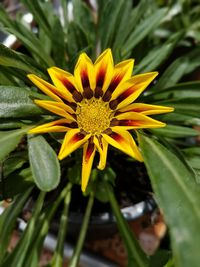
123	141
73	140
104	68
84	73
131	89
134	120
65	82
102	147
146	109
122	72
46	87
61	125
56	107
88	158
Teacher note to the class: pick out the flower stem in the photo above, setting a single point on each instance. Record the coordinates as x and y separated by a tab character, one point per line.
136	257
76	255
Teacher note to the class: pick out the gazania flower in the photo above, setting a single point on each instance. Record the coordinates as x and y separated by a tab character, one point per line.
96	108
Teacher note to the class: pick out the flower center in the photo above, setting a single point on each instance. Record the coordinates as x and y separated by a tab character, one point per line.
93	115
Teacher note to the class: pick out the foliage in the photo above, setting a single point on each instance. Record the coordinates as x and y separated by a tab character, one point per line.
160	36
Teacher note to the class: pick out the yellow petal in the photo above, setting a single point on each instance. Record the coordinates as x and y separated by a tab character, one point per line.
65	82
61	125
56	107
84	73
102	146
131	89
146	109
73	140
104	70
123	141
122	72
134	120
88	158
45	87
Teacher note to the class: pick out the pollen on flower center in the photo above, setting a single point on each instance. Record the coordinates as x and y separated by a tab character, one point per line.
93	115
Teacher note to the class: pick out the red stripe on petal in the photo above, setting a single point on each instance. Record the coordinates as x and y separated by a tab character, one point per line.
85	78
129	123
117	137
90	150
114	83
77	137
125	94
68	85
101	76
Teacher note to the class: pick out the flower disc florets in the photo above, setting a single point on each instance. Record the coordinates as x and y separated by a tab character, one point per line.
93	116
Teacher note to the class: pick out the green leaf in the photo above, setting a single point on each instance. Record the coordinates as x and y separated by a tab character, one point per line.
142	30
16	183
156	56
188	106
177	194
8	220
179	91
10	58
175	131
15	102
9	141
58	43
16	258
44	163
38	13
108	22
178	68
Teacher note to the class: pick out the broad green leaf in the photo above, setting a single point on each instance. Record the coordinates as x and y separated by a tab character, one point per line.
9	141
8	220
178	196
14	162
44	163
15	102
175	131
142	30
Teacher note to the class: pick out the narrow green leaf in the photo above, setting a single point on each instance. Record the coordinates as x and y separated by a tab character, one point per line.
8	220
44	163
16	258
38	13
58	43
11	58
177	194
178	68
179	91
142	30
175	131
15	102
136	257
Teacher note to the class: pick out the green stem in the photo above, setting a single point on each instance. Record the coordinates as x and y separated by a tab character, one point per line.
135	253
58	256
76	255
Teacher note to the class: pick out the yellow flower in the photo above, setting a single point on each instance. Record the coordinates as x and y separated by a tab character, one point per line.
97	109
